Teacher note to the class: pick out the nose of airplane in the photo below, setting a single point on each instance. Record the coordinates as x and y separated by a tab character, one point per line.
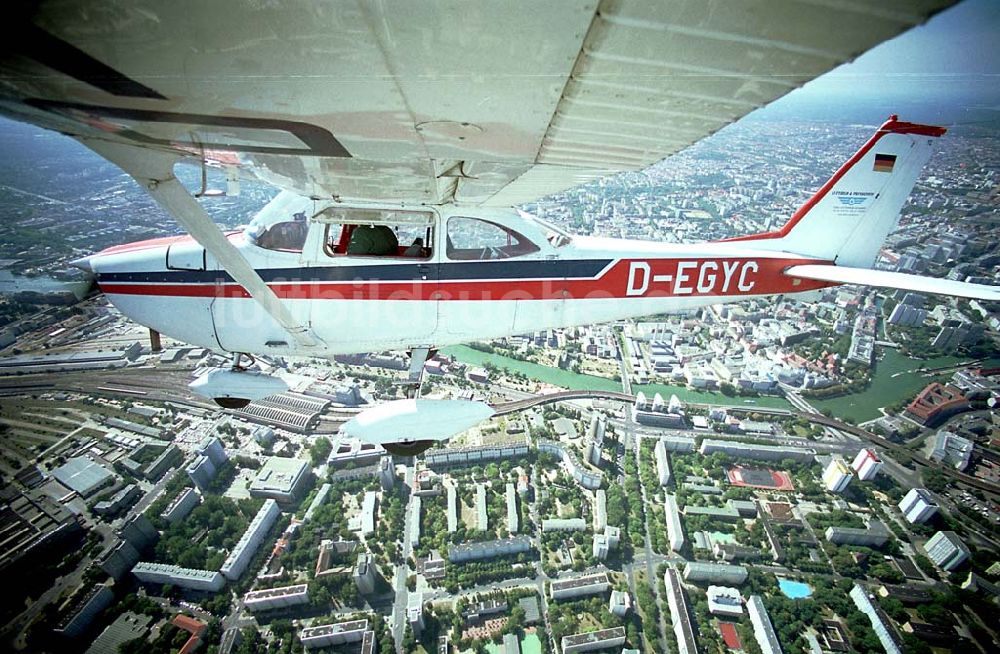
83	264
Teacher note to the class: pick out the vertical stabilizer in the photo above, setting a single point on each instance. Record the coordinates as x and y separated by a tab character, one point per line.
848	219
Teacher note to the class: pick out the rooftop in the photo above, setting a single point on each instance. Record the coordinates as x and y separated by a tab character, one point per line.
279	475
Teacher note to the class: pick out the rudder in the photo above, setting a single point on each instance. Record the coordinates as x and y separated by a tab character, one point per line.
848	219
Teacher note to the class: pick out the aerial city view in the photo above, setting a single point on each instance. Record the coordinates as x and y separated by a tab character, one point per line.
814	468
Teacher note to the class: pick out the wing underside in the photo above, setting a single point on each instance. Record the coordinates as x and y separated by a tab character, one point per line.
427	101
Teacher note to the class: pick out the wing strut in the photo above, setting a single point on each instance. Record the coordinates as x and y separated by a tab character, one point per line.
154	171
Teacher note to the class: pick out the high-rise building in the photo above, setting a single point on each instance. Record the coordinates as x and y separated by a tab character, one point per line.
675	532
879	621
662	463
695	571
212	447
201	472
364	573
600	510
579	586
513	522
680	614
918	505
874	534
161	573
276	598
867	464
947	550
763	631
415	612
239	558
837	475
386	472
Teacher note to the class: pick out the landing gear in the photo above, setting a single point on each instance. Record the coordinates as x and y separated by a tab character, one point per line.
408	449
236	402
232	402
237	386
415	376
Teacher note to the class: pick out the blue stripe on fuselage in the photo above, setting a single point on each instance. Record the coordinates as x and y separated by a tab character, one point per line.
485	270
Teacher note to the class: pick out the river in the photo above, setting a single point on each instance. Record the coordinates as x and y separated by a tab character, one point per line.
576	381
895	379
11	283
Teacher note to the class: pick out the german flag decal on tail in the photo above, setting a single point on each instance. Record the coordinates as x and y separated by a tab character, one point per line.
884	163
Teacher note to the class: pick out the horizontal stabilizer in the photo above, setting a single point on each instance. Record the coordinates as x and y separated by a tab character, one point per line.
886	279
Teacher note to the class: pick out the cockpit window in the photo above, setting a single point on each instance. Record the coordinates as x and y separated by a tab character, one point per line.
472	238
287	234
556	236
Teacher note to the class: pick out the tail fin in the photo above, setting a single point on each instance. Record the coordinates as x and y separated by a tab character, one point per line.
848	219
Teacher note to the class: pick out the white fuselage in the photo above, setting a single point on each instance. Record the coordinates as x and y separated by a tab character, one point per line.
531	281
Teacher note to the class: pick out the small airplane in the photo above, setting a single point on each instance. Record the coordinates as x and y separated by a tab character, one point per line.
402	136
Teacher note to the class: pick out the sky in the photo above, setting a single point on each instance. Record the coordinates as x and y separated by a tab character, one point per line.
946	71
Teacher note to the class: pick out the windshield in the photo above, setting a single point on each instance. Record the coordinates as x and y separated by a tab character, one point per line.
282	224
556	236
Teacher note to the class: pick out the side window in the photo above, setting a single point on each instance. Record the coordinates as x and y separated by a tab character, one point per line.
472	238
406	240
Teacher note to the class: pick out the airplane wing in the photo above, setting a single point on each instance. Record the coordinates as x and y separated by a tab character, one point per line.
886	279
428	101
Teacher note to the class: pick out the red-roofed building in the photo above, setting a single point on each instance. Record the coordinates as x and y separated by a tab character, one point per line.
193	627
937	402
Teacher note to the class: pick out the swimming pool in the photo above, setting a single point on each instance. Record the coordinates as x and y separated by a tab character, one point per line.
794	589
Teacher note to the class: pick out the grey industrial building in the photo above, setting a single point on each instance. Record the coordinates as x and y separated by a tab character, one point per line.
33	525
354	452
83	475
281	479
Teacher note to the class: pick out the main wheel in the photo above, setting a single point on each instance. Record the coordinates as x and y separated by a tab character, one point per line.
231	402
412	448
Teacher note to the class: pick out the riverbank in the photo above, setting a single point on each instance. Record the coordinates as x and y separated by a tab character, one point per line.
575	381
895	379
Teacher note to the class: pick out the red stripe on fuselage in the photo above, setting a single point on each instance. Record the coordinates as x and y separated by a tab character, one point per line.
628	278
148	244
